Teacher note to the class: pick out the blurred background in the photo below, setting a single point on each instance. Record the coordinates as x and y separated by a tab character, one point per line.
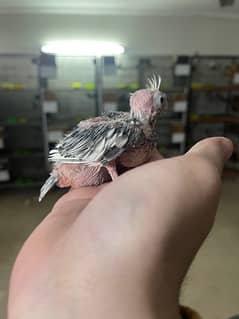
48	85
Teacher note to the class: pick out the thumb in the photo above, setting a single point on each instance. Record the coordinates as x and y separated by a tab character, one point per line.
217	150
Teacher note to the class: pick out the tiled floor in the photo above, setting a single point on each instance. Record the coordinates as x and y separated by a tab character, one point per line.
212	286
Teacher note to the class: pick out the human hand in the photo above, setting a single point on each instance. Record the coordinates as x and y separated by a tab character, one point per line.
125	253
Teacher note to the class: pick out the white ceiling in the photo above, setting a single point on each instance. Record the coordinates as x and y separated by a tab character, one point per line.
121	7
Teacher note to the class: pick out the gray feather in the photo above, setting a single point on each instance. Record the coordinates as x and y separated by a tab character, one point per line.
49	183
98	140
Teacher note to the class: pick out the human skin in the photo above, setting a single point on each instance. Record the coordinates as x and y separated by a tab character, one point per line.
121	250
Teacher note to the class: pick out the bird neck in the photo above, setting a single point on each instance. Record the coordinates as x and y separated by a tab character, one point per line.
143	117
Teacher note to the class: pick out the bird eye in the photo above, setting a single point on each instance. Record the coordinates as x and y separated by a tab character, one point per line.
159	100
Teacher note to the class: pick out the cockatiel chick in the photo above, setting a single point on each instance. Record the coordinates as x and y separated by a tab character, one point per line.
93	152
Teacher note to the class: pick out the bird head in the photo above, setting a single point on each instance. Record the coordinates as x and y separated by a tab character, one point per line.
146	104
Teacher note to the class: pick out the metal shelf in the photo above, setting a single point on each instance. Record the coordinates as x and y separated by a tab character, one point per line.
215	88
216	119
18	90
224	121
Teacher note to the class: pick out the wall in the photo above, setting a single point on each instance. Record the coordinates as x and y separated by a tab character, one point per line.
141	35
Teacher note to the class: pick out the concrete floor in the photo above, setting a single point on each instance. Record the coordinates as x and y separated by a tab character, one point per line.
212	285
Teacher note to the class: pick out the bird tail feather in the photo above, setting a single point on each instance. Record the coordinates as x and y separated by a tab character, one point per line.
49	183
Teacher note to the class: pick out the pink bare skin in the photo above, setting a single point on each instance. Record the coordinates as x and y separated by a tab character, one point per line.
121	250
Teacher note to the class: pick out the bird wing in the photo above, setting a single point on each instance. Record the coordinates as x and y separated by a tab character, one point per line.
98	141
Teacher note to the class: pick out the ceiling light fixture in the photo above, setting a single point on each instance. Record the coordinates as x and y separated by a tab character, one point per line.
82	48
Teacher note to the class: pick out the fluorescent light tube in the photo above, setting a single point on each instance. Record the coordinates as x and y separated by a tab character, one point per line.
82	48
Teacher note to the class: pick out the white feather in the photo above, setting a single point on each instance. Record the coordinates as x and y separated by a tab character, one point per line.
154	82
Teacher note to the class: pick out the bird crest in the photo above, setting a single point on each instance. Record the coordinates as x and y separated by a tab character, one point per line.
153	83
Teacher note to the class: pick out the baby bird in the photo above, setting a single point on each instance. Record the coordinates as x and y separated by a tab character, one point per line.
97	148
